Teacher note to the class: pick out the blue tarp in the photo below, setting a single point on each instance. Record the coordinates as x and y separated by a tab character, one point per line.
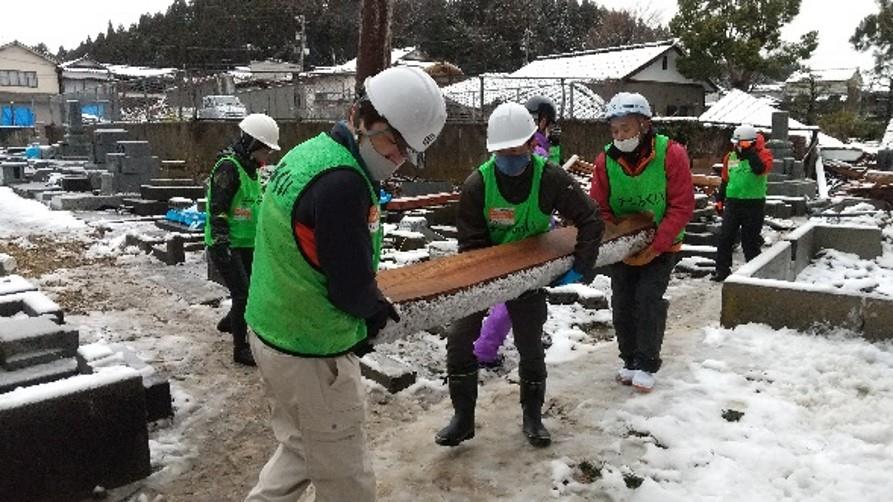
95	109
16	115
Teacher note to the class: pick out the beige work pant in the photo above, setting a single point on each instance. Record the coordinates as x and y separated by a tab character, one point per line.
318	407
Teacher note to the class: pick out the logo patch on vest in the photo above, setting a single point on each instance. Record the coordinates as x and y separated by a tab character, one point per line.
373	220
502	216
242	213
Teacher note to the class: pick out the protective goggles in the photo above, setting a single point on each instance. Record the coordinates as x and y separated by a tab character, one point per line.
393	136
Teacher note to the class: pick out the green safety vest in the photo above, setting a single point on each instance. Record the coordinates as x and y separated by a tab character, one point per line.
242	214
743	183
288	303
507	222
555	154
645	192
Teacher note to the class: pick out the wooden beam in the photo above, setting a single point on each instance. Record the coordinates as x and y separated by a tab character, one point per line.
439	291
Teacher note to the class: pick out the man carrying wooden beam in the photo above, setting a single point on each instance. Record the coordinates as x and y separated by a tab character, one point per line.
509	198
642	171
314	299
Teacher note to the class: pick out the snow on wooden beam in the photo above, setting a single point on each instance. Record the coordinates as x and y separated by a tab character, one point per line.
420	201
578	166
439	291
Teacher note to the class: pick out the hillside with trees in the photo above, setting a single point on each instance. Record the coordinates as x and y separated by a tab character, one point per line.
478	35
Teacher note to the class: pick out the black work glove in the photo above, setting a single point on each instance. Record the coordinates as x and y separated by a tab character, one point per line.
363	348
555	136
750	153
752	156
379	320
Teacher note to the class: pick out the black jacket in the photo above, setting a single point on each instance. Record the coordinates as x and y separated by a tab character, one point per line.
224	184
558	192
336	206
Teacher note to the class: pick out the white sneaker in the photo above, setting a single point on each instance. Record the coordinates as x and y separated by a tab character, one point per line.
625	376
643	381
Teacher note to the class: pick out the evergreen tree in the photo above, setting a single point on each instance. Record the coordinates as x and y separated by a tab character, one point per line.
738	42
477	35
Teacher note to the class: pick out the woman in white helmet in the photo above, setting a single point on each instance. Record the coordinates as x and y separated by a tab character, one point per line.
233	199
641	171
314	300
511	197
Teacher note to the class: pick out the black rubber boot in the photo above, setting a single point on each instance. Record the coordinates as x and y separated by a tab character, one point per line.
532	397
242	351
224	325
463	394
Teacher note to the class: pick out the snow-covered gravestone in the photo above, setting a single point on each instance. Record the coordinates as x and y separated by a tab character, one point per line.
61	439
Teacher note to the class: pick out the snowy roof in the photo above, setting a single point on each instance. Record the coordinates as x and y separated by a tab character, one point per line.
16	43
83	63
824	75
739	107
84	68
601	64
120	70
580	101
397	59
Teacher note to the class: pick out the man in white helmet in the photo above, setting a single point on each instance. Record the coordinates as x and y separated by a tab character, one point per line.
741	198
511	197
642	171
233	199
314	300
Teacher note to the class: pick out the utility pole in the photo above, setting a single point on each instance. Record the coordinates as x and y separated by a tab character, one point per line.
374	52
300	41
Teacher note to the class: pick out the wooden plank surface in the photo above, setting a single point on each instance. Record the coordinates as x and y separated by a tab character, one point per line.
703	180
452	273
438	292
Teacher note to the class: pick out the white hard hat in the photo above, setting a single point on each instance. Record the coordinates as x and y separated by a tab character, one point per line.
627	103
744	132
262	128
510	125
411	102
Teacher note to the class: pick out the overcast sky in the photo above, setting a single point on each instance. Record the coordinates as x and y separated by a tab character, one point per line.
69	22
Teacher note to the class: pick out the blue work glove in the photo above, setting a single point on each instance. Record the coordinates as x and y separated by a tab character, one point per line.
569	277
384	197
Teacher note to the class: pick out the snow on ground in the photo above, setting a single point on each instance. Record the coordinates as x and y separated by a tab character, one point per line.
21	217
812	412
759	415
860	214
850	273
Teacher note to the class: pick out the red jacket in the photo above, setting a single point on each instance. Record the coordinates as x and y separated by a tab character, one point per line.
680	194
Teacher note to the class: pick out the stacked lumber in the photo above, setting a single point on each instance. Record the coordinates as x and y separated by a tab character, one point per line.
877	185
575	165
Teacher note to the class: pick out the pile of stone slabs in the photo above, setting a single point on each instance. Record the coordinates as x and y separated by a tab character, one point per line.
764	291
156	195
60	440
30	304
436	292
35	350
84	202
94	357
